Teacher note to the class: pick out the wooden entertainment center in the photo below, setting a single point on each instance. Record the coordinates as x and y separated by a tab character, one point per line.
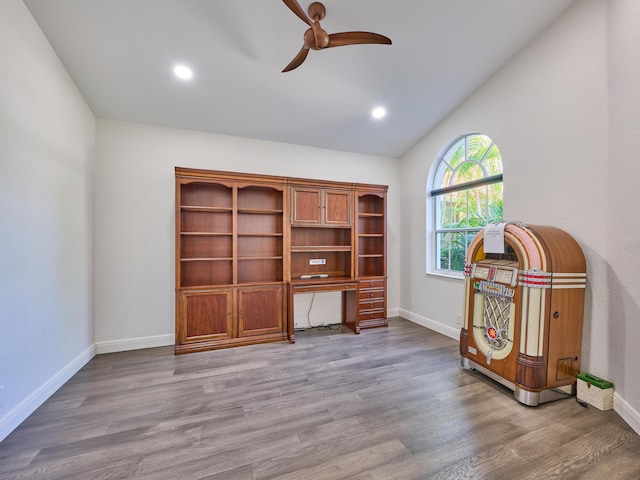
246	244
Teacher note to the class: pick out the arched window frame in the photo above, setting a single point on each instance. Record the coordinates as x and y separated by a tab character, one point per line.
489	162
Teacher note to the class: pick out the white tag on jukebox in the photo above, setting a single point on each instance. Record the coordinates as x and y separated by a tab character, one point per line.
494	238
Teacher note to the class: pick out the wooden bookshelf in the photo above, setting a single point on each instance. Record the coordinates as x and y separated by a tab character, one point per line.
371	257
242	239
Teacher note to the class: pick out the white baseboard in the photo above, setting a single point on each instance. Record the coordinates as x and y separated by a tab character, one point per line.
626	412
112	346
20	412
447	330
393	312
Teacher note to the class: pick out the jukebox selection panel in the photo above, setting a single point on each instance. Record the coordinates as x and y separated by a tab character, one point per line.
503	273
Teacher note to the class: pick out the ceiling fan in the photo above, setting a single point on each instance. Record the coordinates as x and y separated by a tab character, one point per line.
316	38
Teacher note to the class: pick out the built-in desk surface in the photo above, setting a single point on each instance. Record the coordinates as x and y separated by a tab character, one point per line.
348	287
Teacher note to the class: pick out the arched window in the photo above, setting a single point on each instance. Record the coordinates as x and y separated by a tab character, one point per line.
465	194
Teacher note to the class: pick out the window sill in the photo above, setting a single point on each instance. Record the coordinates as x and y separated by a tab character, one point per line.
449	275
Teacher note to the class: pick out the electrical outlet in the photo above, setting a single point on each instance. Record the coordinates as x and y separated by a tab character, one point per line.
459	319
1	396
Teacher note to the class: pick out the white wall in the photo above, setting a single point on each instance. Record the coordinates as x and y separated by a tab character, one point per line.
564	113
622	263
46	230
134	222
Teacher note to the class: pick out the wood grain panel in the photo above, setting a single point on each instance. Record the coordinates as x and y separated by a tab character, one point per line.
210	314
307	206
337	207
260	310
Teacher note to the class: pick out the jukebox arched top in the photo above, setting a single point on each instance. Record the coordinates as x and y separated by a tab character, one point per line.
534	247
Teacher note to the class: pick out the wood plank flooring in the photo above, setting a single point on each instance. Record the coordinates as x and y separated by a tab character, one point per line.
390	403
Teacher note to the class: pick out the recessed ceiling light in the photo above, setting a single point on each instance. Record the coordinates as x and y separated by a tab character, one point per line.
378	113
183	72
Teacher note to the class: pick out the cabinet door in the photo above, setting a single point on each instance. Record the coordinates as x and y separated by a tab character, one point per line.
320	206
260	310
206	315
307	206
337	207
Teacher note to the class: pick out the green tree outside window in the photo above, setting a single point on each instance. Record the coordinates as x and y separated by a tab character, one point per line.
467	195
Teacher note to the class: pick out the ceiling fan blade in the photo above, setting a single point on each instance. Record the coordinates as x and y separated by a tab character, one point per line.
298	59
355	38
295	7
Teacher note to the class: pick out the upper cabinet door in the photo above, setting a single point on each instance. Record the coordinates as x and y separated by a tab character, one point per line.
320	206
337	208
307	206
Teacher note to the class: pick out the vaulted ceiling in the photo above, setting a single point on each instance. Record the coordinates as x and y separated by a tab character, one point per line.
121	55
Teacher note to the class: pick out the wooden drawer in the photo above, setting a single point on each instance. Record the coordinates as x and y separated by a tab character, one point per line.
374	304
337	287
370	295
371	315
371	284
372	320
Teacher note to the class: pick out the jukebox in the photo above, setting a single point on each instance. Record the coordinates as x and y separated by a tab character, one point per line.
523	309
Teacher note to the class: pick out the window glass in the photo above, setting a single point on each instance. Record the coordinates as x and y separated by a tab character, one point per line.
465	195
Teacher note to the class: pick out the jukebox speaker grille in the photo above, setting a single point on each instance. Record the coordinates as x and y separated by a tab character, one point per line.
493	324
496	322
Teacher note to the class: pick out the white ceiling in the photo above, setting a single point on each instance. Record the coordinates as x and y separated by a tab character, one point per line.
121	53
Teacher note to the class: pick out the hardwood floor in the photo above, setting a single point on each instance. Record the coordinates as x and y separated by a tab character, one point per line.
390	403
